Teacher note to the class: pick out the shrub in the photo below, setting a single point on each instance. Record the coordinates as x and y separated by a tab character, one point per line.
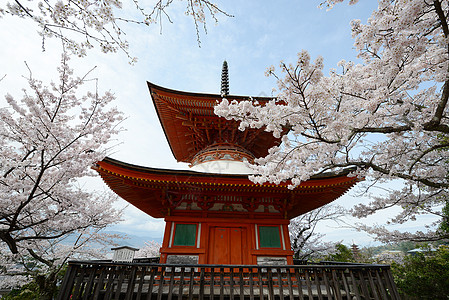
424	276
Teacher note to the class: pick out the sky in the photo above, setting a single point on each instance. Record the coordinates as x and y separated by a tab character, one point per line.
260	34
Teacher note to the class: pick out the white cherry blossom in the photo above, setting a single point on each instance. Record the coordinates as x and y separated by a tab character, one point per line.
386	116
50	139
81	24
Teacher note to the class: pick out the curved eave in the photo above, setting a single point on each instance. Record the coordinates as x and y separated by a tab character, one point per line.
144	187
206	96
141	173
197	105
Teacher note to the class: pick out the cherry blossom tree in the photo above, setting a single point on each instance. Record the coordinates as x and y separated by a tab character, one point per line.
50	139
306	242
151	249
83	24
42	263
386	115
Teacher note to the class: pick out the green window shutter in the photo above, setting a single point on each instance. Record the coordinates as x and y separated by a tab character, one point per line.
185	235
269	237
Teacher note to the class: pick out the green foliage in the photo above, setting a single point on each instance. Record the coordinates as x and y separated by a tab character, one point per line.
424	276
343	254
42	287
444	225
404	246
29	291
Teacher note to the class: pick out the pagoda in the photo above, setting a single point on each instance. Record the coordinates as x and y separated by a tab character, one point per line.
214	214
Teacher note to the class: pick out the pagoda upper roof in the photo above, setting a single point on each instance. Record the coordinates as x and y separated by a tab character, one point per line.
156	191
190	125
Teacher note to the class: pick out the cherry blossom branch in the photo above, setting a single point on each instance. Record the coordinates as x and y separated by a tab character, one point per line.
98	22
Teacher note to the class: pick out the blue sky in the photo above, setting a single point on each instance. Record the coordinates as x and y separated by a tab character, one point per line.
260	34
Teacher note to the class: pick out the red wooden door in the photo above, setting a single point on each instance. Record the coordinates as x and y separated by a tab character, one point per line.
235	244
226	245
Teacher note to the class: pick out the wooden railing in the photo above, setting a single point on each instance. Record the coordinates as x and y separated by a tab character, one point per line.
106	280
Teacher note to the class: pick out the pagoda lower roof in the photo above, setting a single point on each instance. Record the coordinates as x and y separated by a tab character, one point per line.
190	124
157	191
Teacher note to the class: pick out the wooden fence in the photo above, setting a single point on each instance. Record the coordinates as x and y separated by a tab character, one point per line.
105	280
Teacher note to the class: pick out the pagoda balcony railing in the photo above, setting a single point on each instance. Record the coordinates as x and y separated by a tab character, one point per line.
329	280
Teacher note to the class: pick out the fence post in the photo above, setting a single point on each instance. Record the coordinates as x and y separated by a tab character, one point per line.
106	280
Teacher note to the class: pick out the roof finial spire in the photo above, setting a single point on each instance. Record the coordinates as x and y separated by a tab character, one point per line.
224	80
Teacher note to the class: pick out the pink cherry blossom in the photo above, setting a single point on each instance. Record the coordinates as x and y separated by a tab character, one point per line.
386	116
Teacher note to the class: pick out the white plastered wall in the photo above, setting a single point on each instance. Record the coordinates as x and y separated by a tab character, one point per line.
222	167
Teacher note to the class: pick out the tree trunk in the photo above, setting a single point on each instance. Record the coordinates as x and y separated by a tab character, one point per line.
47	285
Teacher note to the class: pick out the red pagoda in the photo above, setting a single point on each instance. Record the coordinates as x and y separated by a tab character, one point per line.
214	214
